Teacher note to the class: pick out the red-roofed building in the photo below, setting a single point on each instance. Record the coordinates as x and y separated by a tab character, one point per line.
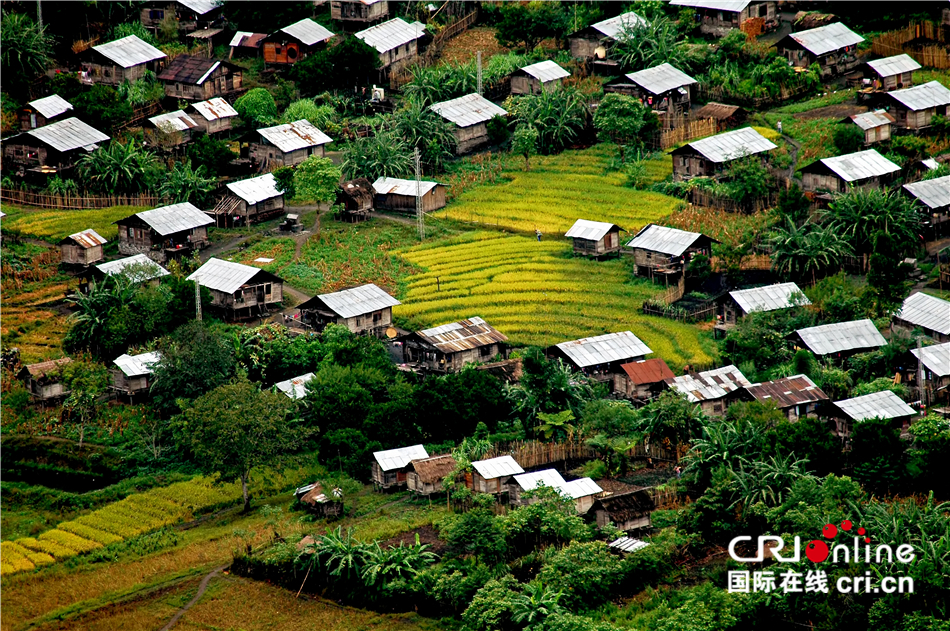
643	379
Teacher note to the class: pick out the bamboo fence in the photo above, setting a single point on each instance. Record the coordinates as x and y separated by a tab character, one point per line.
936	55
74	202
401	78
687	129
706	199
531	454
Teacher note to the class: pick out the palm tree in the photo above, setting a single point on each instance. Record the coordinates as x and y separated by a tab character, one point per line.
536	603
860	213
118	168
768	481
798	250
395	562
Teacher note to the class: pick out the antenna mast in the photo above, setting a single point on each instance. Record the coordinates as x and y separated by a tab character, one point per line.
478	65
420	216
197	301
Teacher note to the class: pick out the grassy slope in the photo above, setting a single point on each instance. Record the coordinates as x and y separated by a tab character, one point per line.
53	225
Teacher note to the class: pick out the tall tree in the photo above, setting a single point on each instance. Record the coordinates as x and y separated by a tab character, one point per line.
887	275
317	179
526	24
195	359
86	381
624	120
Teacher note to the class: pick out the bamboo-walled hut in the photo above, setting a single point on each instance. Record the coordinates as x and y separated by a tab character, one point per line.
492	475
391	467
470	115
426	474
239	291
595	238
121	60
82	248
44	380
295	42
399	195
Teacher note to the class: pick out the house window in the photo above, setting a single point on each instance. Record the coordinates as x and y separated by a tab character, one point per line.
277	50
359	322
267	289
156	14
131	233
239	296
485	351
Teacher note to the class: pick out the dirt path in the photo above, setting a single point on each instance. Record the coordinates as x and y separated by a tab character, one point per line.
202	588
794	148
410	221
222	246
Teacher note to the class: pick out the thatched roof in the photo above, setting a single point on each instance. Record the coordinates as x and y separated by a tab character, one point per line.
43	369
805	20
360	191
432	470
627	506
719	111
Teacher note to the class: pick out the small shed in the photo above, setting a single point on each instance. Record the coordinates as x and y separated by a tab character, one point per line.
317	502
449	347
44	380
82	248
54	146
594	41
493	475
356	198
426	474
936	374
246	43
595	238
188	15
841	339
661	250
833	47
133	373
709	156
714	390
876	125
643	379
137	269
742	302
172	128
927	312
662	88
42	111
602	356
862	169
296	387
914	108
883	405
396	41
583	491
248	201
522	483
213	115
396	194
364	309
626	511
293	43
288	145
544	75
726	116
933	199
717	17
196	78
797	396
893	73
164	233
390	467
121	60
240	291
470	115
359	11
626	545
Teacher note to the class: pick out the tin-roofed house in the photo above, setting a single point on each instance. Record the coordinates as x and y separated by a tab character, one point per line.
54	146
214	115
602	356
626	511
893	73
863	169
581	491
172	129
396	41
493	475
293	43
742	302
796	396
296	387
658	249
594	41
132	374
717	17
288	145
833	47
199	78
246	44
644	379
714	390
914	108
926	312
164	233
933	200
709	156
426	474
44	380
126	59
841	339
595	238
449	347
533	79
240	291
876	125
359	11
138	269
391	467
935	361
364	309
883	405
82	248
356	199
662	88
470	115
395	194
188	15
250	200
42	111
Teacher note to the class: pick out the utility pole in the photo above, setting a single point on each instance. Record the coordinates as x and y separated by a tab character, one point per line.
478	65
39	14
920	378
420	216
197	301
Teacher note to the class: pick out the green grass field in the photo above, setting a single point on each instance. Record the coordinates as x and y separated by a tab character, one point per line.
538	293
53	225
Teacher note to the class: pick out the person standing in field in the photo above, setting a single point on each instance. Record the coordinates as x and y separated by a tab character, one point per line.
537	233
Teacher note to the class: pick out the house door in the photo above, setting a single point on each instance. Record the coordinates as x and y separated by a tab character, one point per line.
260	294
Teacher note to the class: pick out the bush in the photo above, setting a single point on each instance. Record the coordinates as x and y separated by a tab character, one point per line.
102	107
848	138
588	574
257	108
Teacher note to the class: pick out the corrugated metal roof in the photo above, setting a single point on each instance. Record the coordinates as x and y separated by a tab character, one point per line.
545	71
398	186
930	163
870	120
399	458
647	371
768	298
788	391
612	27
549	478
50	106
468	110
295	388
884	404
604	349
69	134
894	65
629	544
142	268
921	97
841	336
173	121
189	69
137	365
660	79
350	303
927	312
860	165
256	189
462	335
296	135
696	389
590	230
497	467
732	145
581	487
826	39
129	51
246	38
934	193
662	239
390	34
216	108
88	238
935	358
729	378
226	276
174	218
308	31
200	6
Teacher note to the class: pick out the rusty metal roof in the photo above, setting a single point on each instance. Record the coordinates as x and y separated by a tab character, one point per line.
719	111
696	389
729	378
296	135
87	239
788	391
648	371
191	69
462	335
215	108
248	39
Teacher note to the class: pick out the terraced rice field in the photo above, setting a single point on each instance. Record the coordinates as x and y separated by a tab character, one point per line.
538	294
561	189
53	225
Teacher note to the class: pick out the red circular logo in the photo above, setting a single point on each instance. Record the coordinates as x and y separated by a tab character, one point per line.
860	531
829	531
816	551
846	524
